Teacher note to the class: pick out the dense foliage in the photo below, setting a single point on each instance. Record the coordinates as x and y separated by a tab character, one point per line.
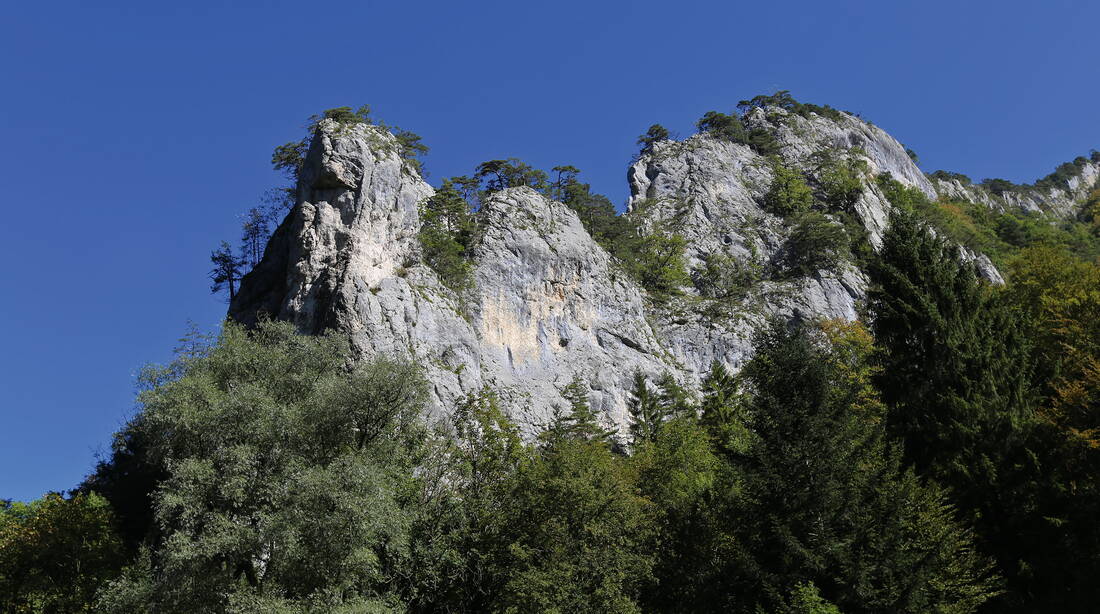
942	454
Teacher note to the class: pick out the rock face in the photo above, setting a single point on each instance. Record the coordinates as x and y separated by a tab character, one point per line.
1057	202
549	304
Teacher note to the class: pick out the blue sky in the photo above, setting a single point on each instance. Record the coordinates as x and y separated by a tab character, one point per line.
137	132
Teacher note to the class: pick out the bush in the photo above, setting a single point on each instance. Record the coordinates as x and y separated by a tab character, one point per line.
724	278
949	176
447	235
784	100
654	255
722	126
815	243
841	178
656	133
999	186
788	194
731	128
656	261
1061	175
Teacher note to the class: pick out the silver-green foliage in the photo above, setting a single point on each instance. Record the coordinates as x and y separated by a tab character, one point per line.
287	472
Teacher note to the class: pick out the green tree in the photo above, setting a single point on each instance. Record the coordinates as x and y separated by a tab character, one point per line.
955	364
840	178
723	278
653	253
578	533
681	472
285	473
511	173
460	533
646	411
652	136
411	148
722	126
816	243
579	420
826	500
788	194
447	233
56	552
956	374
254	235
595	211
226	272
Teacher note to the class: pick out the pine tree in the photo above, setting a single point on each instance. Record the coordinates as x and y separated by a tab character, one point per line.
227	270
955	366
579	421
645	409
826	499
955	374
254	234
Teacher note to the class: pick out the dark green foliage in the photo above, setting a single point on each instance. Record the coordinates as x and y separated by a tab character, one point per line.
827	502
458	536
655	259
721	400
344	115
55	553
227	270
968	384
284	471
577	534
578	421
999	186
128	481
840	178
654	134
1061	175
447	234
949	176
912	156
722	126
956	373
289	157
788	194
254	234
731	128
724	278
411	148
646	411
596	211
816	243
511	173
784	100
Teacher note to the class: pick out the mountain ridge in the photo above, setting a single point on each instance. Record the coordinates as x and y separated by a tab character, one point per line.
548	302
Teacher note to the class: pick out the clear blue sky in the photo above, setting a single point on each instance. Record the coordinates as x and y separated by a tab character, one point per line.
136	133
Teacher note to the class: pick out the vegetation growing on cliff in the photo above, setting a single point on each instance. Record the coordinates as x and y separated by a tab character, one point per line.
941	455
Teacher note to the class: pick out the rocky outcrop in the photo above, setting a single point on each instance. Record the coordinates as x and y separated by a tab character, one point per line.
549	303
1058	202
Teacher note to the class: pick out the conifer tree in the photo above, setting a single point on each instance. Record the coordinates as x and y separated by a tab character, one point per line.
955	365
645	410
226	272
827	501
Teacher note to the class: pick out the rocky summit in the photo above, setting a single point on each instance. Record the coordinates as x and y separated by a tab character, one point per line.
548	302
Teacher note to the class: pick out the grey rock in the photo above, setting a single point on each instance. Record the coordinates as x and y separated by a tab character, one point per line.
1055	203
548	303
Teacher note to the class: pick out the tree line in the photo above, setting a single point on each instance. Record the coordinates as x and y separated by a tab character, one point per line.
941	455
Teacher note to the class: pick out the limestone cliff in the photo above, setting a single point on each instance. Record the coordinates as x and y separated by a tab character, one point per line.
548	302
1057	201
